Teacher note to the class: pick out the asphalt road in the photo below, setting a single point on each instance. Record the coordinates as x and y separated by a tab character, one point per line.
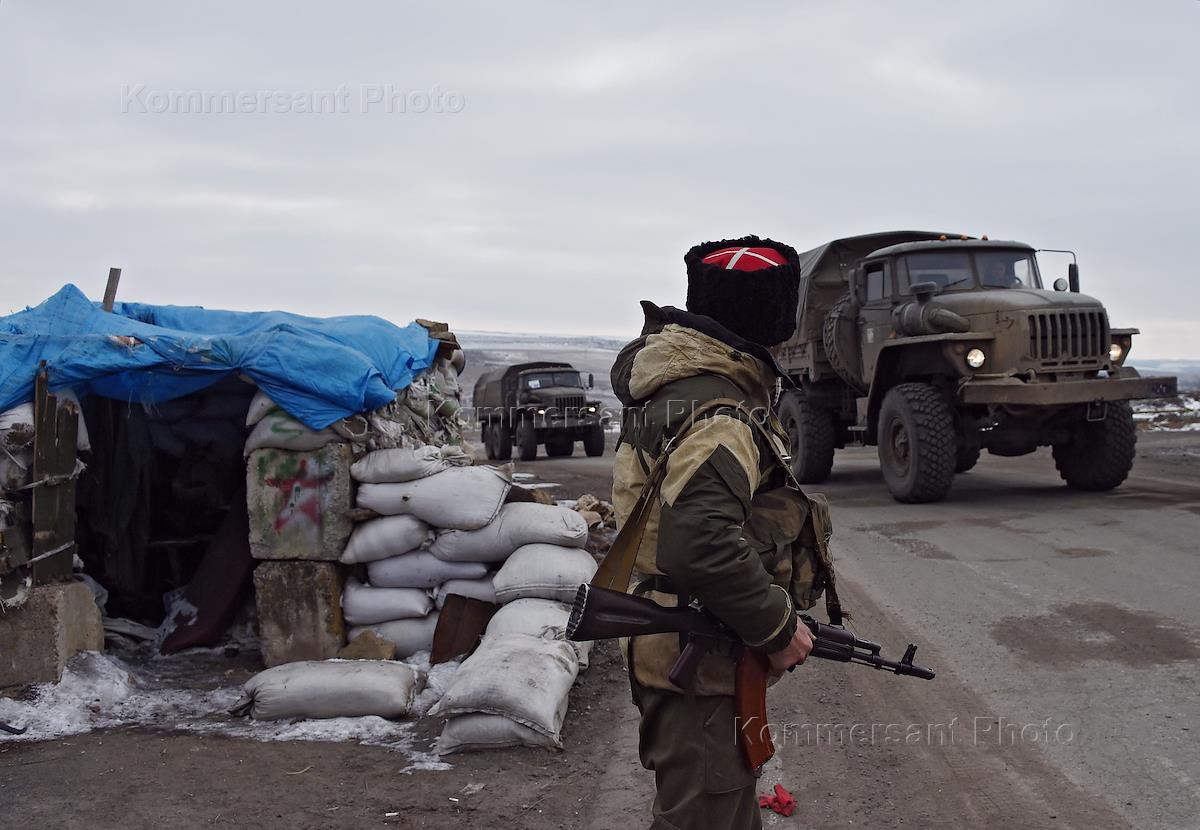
1065	629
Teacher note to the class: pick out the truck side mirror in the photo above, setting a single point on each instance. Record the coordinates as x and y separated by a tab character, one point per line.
924	290
1060	284
1073	277
591	381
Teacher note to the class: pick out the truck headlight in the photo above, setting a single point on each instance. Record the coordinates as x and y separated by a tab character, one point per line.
1115	352
541	412
591	409
976	358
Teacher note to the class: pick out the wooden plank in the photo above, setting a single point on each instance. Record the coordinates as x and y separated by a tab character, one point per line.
110	290
56	424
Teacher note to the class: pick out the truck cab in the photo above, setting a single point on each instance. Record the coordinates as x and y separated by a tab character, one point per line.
942	347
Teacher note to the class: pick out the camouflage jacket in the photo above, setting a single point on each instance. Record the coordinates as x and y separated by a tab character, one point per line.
696	536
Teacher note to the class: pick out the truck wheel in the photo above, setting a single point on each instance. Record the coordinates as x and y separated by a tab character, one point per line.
593	442
1101	454
501	442
966	457
560	447
527	442
489	446
917	444
839	336
810	430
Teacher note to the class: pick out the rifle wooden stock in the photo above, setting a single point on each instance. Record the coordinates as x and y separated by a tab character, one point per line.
750	707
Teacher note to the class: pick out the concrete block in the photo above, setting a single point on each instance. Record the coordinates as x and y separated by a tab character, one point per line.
299	610
299	501
55	623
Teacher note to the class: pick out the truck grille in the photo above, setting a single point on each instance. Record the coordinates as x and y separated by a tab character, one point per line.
1068	338
568	404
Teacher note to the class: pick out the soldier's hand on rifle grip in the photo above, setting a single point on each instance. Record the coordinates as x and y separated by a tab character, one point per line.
794	653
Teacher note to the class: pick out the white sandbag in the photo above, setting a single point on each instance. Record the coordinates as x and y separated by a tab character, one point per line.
261	405
23	414
281	431
332	689
525	679
384	537
420	569
543	618
464	498
365	605
480	589
470	733
518	524
410	636
544	571
398	465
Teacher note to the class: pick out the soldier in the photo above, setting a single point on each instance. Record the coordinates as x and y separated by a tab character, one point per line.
742	298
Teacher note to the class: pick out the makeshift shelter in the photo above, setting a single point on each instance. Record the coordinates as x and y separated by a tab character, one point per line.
159	496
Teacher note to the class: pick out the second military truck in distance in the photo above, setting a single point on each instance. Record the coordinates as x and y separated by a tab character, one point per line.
935	347
528	404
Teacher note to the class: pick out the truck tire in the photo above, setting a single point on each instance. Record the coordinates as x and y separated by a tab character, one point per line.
1101	454
489	446
966	457
560	446
501	442
593	442
811	437
917	444
839	335
527	442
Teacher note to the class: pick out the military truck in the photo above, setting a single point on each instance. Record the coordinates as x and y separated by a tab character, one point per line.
537	403
935	346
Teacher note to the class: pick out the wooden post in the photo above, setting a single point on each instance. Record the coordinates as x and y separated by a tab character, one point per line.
110	290
56	424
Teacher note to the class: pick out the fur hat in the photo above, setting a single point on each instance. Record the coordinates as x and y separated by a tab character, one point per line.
749	285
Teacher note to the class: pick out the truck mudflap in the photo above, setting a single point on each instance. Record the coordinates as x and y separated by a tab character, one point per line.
1019	392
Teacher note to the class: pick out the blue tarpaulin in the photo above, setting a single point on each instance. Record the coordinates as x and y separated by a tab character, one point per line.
318	369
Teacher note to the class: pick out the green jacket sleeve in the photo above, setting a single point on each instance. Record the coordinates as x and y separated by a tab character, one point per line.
700	547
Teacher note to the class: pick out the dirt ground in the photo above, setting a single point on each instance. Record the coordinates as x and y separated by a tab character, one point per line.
1036	606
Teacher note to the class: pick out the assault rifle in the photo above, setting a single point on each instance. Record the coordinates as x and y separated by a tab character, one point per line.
601	614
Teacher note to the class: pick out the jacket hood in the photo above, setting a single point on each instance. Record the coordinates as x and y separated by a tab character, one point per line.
678	344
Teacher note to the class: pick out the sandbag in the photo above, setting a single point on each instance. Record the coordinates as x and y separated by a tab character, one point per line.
384	537
518	524
526	679
399	465
480	589
545	572
469	733
331	689
23	415
543	618
464	498
420	569
281	431
364	604
410	636
260	406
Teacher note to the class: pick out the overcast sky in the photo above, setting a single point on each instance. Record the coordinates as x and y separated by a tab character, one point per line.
543	166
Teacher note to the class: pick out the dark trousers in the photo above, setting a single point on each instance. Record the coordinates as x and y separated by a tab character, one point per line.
691	745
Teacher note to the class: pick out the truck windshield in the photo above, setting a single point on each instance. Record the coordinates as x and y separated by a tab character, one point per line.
966	270
545	380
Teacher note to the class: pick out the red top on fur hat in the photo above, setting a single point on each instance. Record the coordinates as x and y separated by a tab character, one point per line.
745	259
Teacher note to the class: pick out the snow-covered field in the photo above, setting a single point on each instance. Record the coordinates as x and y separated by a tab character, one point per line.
1181	413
